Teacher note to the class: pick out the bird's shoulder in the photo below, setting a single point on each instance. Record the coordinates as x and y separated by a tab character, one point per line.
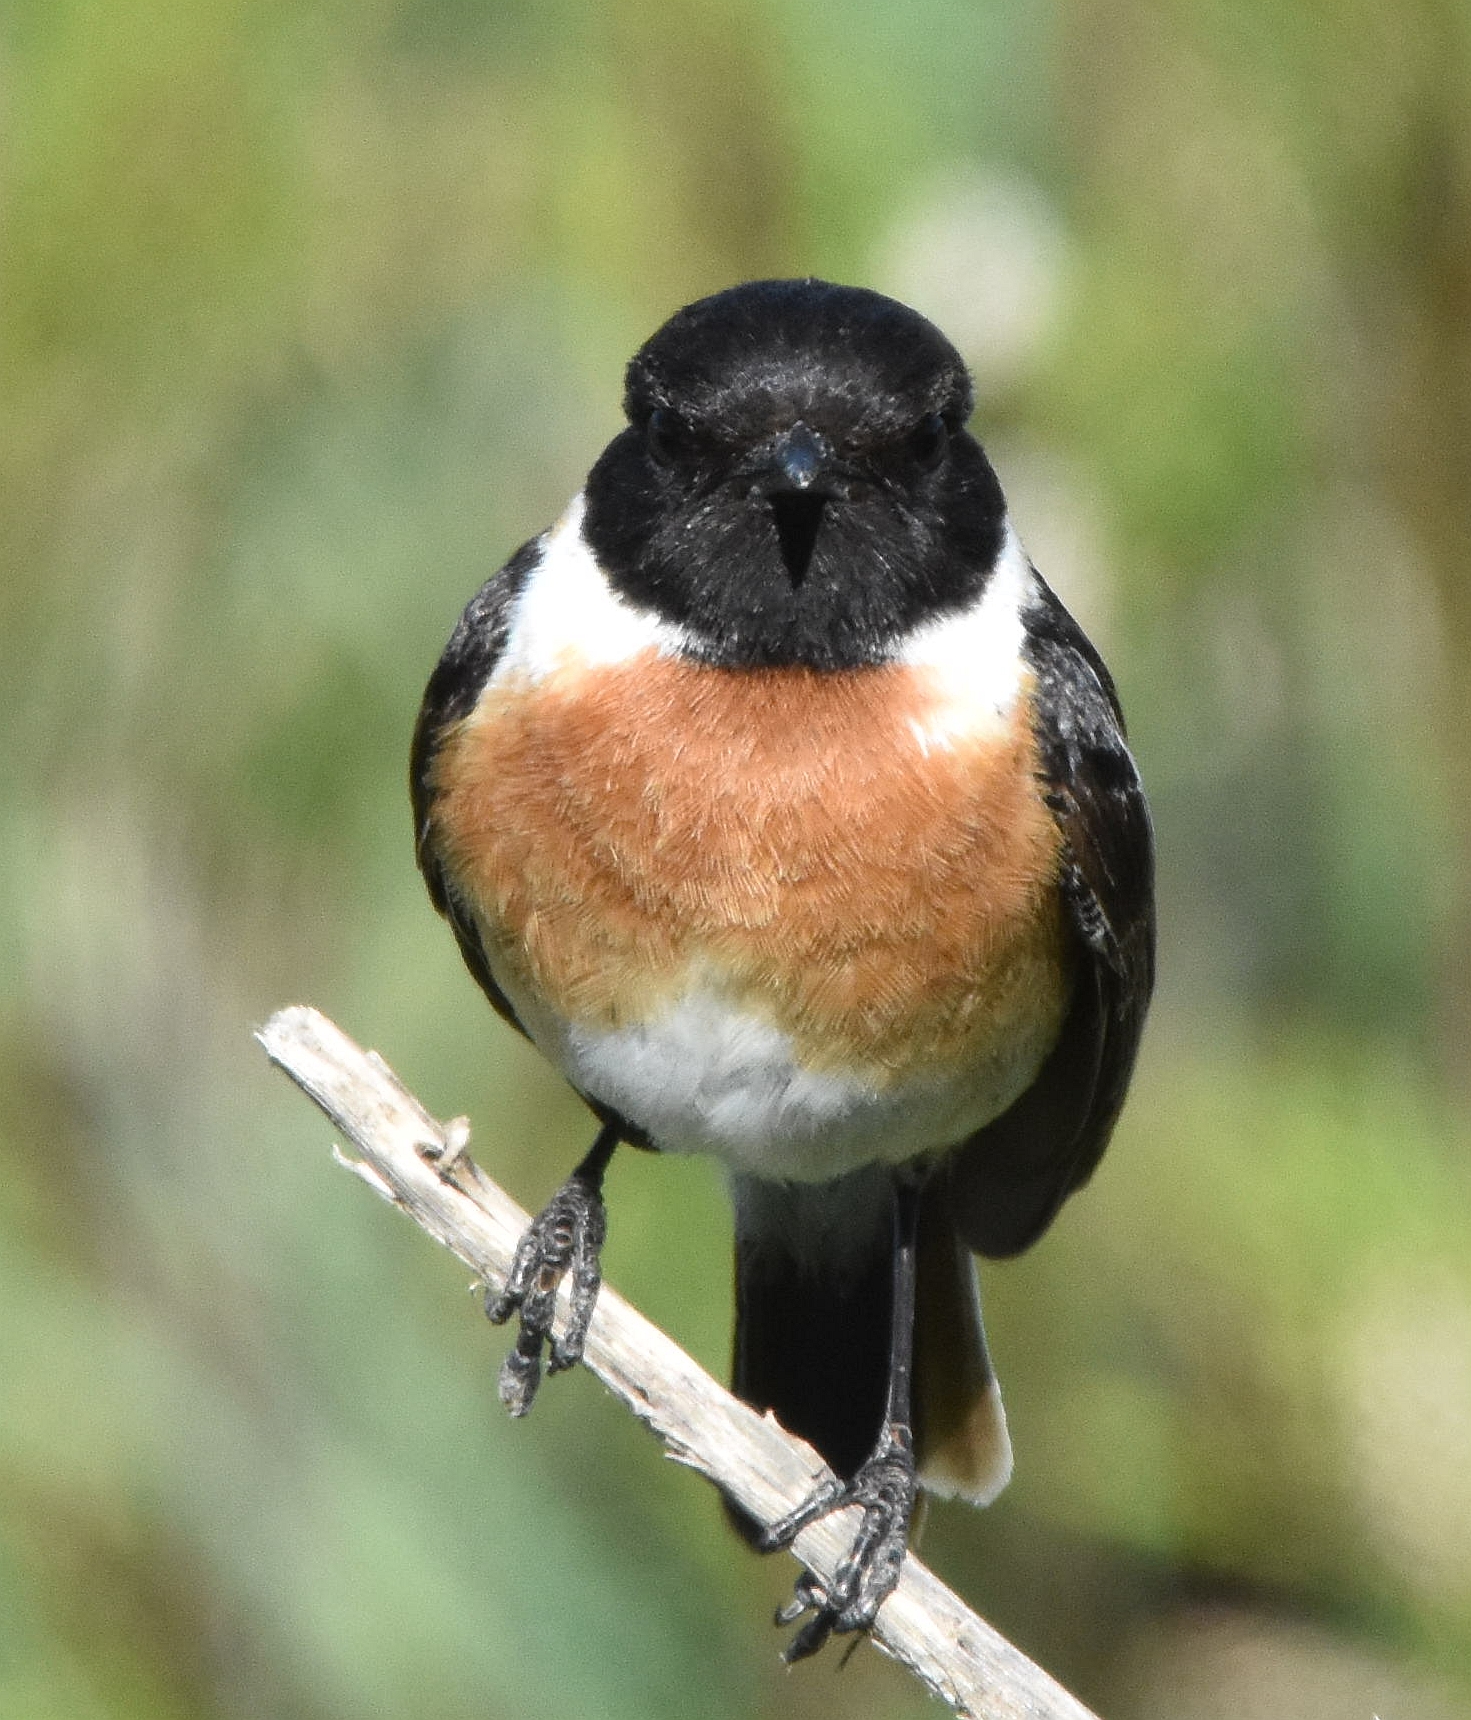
465	666
1009	1179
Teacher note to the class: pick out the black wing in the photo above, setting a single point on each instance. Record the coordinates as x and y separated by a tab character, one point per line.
473	651
1010	1178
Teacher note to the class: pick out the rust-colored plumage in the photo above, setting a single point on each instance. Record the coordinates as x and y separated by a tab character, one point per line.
891	907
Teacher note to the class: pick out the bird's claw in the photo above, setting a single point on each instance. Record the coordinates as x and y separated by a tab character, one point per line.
566	1236
886	1487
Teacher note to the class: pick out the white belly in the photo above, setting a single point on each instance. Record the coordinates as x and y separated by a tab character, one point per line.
705	1076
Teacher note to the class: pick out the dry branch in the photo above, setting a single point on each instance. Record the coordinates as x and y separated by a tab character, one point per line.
419	1165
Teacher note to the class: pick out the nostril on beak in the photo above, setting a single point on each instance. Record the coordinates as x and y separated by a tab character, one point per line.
797	457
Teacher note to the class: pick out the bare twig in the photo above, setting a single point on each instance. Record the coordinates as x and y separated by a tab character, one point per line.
420	1165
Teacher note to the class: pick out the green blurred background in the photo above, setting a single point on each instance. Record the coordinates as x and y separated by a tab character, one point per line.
312	311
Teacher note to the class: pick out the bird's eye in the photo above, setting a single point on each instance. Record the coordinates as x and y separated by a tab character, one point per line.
667	435
928	441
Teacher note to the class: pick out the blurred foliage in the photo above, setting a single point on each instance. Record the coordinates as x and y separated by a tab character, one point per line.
311	312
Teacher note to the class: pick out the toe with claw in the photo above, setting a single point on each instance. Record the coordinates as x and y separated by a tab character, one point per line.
885	1487
565	1237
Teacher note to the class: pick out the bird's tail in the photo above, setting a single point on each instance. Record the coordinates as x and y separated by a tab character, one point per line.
960	1424
814	1294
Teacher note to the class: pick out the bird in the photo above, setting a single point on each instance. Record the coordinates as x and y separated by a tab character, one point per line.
778	801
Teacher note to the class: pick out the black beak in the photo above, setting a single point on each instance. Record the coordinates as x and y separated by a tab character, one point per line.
792	484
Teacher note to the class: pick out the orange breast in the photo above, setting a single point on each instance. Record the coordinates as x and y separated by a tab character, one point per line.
779	834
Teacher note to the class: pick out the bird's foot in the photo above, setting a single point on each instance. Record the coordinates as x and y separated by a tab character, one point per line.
886	1487
565	1236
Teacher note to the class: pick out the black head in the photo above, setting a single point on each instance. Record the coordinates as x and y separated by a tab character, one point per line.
796	485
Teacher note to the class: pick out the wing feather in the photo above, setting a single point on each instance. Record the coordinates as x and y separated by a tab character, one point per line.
1009	1179
469	660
